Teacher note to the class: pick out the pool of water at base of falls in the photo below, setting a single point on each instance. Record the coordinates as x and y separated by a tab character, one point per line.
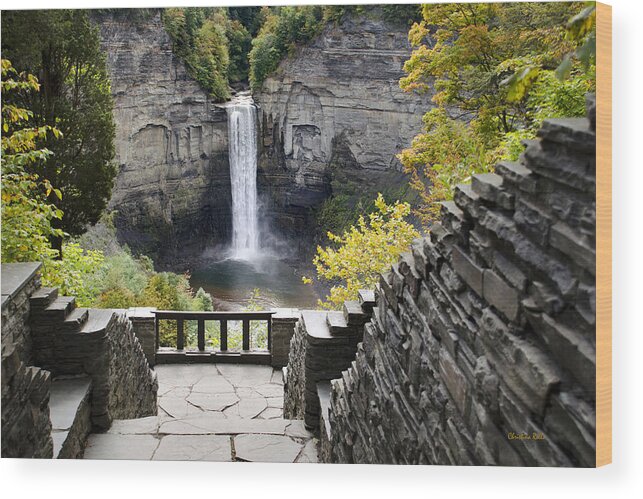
231	283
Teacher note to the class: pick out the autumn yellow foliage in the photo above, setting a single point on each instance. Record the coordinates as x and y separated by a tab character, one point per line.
355	259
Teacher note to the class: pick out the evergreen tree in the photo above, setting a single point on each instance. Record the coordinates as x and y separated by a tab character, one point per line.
62	48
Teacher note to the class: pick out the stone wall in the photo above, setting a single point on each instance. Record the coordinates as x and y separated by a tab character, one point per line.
323	345
482	347
142	320
26	428
295	381
132	384
19	281
282	330
99	343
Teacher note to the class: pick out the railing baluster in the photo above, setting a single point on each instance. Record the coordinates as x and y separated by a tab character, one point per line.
224	336
180	337
269	338
246	334
201	335
157	338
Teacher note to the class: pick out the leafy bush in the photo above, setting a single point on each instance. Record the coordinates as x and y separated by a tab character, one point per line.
355	259
72	273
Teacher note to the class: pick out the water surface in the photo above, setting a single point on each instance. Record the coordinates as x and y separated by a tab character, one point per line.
231	283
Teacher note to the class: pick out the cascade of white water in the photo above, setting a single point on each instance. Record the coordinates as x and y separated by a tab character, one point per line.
242	147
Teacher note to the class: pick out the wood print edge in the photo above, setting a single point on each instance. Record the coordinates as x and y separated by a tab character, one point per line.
603	234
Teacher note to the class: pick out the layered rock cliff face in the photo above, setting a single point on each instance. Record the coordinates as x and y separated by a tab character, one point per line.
172	192
335	111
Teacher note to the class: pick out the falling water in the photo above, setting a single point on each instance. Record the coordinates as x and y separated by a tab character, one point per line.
242	135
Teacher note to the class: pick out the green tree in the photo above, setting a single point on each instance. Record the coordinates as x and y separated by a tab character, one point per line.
28	212
239	45
467	55
199	38
284	29
355	259
63	48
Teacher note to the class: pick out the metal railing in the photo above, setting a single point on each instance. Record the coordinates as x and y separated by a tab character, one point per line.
223	353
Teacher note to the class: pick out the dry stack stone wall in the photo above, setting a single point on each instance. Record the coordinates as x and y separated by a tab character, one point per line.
282	330
482	346
26	428
323	345
97	342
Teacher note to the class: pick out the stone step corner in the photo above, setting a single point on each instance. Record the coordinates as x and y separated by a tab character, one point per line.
366	298
354	315
70	414
75	320
337	324
98	320
60	308
43	297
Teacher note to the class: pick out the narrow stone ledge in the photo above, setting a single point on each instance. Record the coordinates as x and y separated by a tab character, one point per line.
517	174
469	271
500	294
489	187
574	133
575	246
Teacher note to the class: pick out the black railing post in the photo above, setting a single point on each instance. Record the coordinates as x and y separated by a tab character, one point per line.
180	337
246	334
157	338
269	335
201	335
223	341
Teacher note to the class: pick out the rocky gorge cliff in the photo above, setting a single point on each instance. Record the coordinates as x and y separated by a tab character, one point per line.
172	191
335	111
332	115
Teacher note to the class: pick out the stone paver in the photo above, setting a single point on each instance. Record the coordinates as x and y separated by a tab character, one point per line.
212	413
266	448
194	448
117	446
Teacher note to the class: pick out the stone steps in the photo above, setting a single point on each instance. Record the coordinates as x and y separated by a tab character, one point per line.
43	297
332	339
337	324
366	299
75	320
70	414
354	314
59	309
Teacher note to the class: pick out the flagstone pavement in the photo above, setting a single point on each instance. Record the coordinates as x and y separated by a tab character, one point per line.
211	412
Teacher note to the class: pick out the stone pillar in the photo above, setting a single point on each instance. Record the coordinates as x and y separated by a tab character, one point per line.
142	320
283	327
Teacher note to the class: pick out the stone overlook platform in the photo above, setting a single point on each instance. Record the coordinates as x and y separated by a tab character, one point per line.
210	412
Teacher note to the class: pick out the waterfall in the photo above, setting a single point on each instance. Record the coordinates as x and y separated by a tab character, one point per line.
242	138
